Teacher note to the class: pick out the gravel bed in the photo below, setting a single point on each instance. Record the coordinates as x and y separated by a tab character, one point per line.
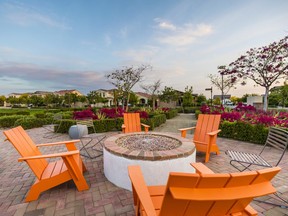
148	142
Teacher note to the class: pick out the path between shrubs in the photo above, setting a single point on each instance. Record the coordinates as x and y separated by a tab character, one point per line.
180	121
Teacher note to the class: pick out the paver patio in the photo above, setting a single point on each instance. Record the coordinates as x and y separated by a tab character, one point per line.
104	198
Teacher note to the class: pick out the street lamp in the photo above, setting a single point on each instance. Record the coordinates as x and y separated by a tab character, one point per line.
209	89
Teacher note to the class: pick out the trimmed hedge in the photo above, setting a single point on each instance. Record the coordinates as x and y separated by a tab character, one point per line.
9	121
106	125
29	122
155	121
171	113
16	112
245	132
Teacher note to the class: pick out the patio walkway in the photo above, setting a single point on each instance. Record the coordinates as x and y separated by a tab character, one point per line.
104	198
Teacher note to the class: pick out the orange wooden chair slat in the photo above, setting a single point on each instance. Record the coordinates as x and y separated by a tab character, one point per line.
201	193
132	123
205	134
48	175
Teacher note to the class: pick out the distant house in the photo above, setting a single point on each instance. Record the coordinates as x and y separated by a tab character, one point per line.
63	92
143	97
16	95
108	95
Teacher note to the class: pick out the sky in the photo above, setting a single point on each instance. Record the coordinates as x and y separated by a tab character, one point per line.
72	44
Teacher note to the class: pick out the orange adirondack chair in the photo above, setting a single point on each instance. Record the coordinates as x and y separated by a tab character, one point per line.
132	123
50	174
205	134
201	193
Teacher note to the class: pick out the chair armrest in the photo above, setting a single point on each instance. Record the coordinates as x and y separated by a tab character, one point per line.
184	131
70	144
213	133
58	143
123	128
62	154
201	168
140	189
147	126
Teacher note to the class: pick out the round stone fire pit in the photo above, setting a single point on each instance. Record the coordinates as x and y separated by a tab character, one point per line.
158	154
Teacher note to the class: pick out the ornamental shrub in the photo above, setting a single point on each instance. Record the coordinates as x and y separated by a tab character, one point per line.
9	121
88	113
29	122
112	112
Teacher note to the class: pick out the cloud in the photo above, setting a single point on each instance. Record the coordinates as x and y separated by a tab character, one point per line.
30	76
27	16
180	35
145	53
162	24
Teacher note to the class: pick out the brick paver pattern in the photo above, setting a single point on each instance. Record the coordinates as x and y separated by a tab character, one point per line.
103	198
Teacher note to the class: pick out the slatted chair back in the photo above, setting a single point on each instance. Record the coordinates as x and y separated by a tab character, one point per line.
215	194
206	123
88	122
278	138
26	147
132	122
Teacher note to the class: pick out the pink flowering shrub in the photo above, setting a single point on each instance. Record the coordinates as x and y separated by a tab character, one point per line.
165	109
249	114
143	114
243	107
112	112
88	113
231	116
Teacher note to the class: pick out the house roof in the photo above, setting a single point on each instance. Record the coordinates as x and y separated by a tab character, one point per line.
143	94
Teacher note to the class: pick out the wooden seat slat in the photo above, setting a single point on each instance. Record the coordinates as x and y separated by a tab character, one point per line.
202	193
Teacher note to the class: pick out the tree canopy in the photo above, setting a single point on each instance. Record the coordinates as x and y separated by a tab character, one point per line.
125	79
264	65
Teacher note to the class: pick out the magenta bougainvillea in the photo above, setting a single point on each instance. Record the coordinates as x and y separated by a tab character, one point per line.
112	112
108	112
88	113
249	114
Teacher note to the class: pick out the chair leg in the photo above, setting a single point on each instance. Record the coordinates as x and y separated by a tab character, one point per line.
84	147
275	204
33	194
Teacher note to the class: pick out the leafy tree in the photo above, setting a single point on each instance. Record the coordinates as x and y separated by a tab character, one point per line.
217	101
188	97
2	100
133	99
153	90
264	65
201	99
94	97
235	99
274	99
12	100
169	94
70	98
82	98
224	84
23	99
36	100
284	94
125	79
52	99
